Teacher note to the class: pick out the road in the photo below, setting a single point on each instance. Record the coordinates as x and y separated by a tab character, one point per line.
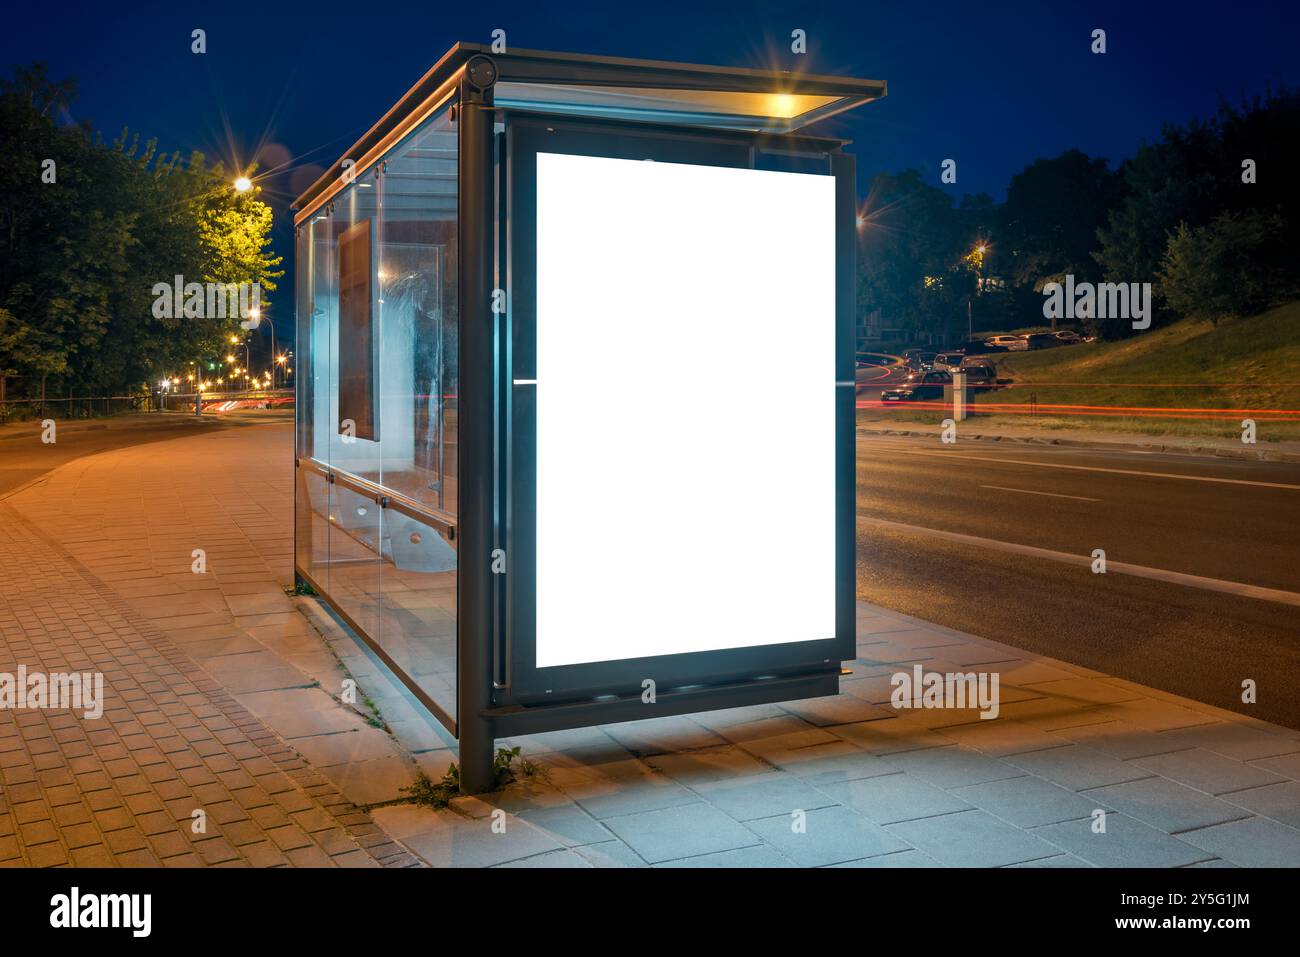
24	457
1202	588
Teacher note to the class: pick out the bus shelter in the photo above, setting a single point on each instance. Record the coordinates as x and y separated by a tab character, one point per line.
575	390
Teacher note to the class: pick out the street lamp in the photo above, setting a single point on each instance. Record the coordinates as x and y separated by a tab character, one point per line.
243	184
255	316
247	355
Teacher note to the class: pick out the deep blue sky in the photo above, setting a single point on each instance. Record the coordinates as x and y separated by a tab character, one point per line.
993	86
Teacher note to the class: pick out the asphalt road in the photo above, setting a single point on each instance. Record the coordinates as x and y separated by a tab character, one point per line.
24	457
1202	588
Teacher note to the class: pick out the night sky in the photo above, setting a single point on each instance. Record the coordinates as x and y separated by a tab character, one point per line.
993	86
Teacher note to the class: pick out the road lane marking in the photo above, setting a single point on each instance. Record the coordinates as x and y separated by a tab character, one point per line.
1029	491
1097	468
1240	589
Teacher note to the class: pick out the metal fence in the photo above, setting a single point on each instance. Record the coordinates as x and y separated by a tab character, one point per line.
75	407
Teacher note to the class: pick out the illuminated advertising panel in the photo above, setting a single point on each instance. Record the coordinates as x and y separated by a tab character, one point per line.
685	408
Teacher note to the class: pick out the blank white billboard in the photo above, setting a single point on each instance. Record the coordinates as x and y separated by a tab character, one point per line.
685	408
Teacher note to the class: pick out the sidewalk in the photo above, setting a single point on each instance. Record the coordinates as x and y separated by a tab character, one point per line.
91	586
225	694
979	428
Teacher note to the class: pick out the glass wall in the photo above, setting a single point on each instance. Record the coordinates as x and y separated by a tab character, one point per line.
377	347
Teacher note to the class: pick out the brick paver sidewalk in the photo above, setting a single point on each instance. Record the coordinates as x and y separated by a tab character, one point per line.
123	789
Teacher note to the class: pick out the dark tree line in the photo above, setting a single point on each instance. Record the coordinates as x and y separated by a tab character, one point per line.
87	228
1208	213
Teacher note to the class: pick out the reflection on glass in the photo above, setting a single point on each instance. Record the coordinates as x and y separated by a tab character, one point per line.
377	325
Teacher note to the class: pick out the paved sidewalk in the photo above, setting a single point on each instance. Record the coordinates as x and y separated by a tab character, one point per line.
1064	432
218	679
86	590
1182	784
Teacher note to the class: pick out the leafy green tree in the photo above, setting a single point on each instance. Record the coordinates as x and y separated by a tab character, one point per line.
1234	266
80	255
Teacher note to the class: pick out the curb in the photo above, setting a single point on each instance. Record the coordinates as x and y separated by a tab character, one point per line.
1259	455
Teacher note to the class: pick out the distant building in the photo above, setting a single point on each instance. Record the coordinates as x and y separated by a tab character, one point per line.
873	329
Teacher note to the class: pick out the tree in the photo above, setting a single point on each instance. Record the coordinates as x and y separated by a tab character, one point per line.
1188	179
80	255
912	242
1234	266
1049	223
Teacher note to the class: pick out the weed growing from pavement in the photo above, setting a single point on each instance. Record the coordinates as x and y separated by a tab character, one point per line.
427	792
375	719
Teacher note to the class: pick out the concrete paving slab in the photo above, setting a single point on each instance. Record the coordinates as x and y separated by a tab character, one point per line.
831	835
971	839
954	767
1126	843
1029	801
672	833
762	795
1077	767
1256	842
893	798
1207	771
1166	805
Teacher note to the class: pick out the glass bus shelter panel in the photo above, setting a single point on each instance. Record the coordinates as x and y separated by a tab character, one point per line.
314	361
377	432
418	271
355	431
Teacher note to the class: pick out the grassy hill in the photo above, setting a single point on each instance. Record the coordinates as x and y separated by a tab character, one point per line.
1250	363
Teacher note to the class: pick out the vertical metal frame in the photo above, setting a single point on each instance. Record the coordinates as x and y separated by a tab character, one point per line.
475	417
844	168
529	685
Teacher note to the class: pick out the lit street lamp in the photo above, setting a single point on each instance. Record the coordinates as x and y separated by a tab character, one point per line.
255	316
248	362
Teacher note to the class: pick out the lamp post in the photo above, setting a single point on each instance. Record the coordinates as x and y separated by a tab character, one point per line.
248	363
255	315
977	257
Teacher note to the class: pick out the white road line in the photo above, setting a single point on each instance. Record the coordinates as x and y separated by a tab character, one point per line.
1029	491
956	456
1123	568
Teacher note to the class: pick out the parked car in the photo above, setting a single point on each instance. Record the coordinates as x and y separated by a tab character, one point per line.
947	361
921	361
970	361
1068	337
977	347
980	377
1007	343
917	387
1041	340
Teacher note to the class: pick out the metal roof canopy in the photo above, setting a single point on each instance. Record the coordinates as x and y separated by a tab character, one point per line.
680	94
